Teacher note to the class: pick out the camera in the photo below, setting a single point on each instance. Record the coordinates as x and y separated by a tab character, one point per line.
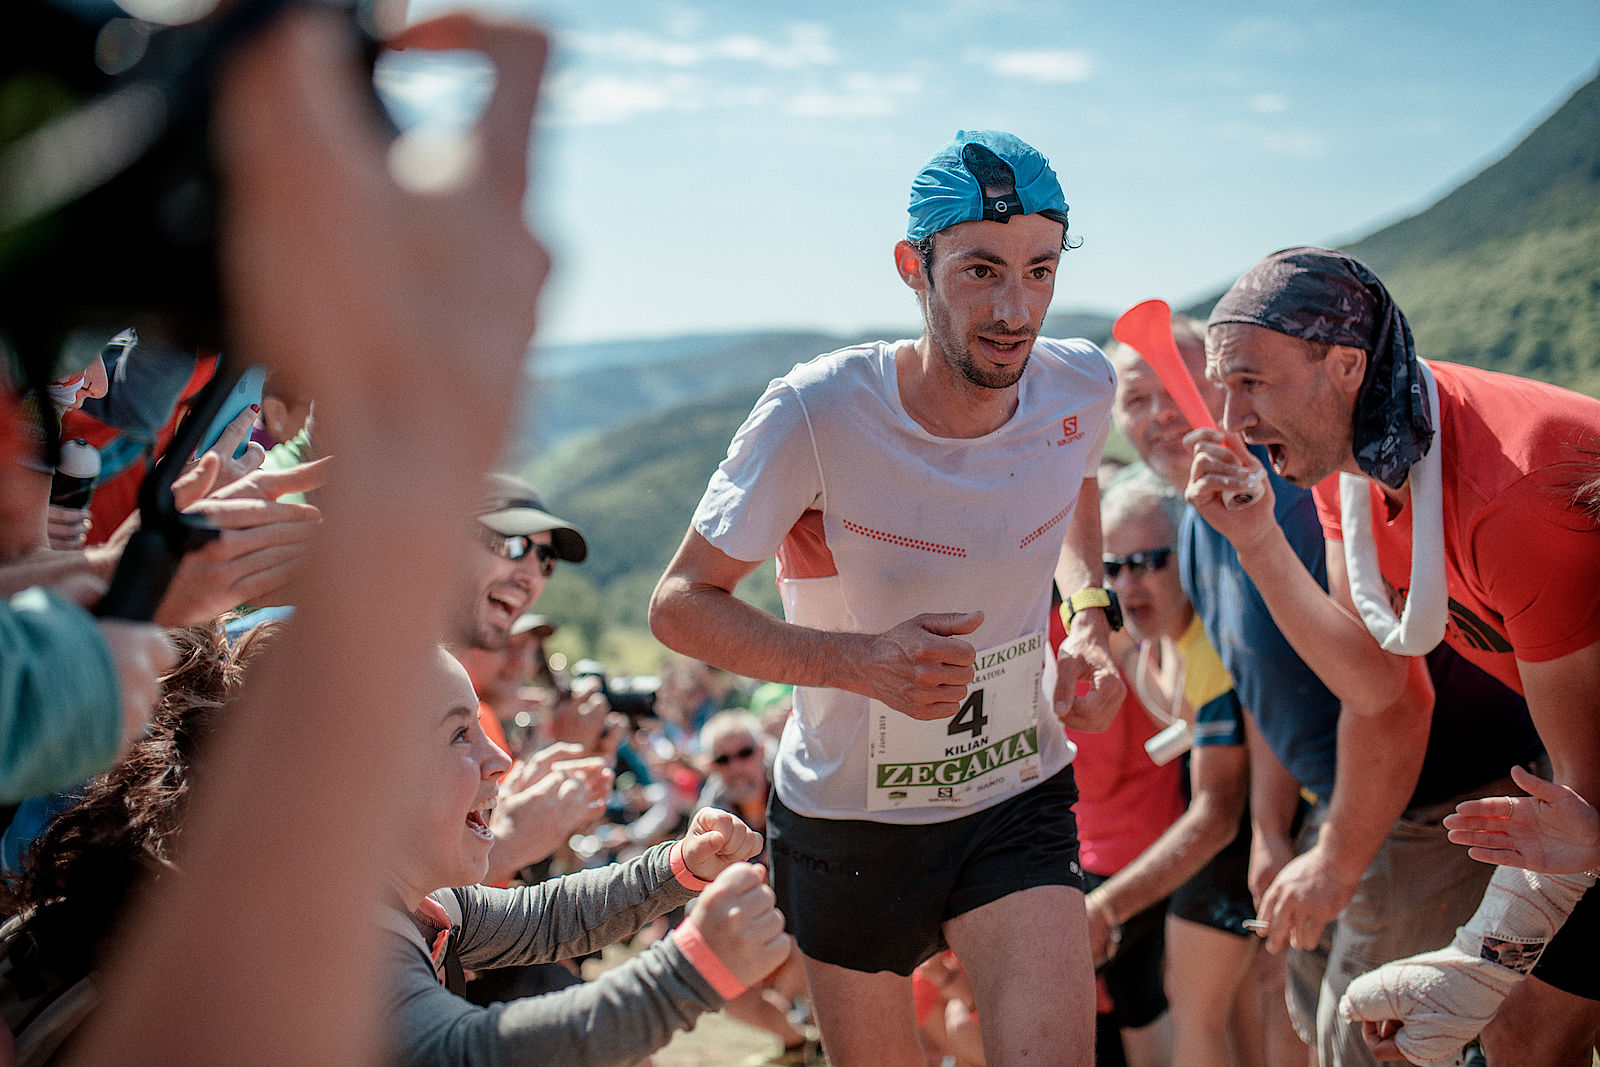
634	696
109	201
109	211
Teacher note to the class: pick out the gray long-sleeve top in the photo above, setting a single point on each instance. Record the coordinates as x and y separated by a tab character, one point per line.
623	1016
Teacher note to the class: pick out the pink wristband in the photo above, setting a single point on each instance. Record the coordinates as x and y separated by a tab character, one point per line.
681	871
706	961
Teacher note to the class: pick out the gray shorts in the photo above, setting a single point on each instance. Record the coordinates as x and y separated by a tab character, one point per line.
1411	898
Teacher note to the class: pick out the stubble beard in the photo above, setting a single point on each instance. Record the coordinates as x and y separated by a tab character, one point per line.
957	357
469	629
1317	457
489	638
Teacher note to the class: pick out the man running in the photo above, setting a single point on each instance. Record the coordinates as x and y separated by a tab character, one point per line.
919	496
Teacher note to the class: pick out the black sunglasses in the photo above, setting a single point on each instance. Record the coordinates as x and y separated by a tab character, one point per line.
722	759
518	547
1136	562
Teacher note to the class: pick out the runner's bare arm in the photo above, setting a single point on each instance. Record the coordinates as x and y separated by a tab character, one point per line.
1379	758
1322	627
1086	653
921	667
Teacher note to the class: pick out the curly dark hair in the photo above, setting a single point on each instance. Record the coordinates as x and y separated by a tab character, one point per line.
82	869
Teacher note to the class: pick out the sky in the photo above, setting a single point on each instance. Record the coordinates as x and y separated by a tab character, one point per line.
725	165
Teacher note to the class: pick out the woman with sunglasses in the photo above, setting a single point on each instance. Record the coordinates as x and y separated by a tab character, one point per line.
738	764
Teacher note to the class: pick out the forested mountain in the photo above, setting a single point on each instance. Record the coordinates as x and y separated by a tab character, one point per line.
1503	272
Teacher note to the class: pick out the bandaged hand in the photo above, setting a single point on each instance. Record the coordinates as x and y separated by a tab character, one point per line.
1442	999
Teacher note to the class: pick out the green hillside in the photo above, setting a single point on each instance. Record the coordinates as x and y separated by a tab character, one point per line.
588	388
631	489
577	402
1503	272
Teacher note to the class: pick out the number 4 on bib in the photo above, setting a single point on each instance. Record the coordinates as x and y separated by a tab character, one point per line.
989	748
970	719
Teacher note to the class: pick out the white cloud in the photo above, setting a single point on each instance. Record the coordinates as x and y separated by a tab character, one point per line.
1248	136
446	90
801	45
1260	33
805	44
622	75
1269	103
577	99
857	95
1055	66
684	21
1297	144
608	99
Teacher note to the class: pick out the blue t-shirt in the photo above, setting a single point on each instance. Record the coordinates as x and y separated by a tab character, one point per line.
1480	727
1296	714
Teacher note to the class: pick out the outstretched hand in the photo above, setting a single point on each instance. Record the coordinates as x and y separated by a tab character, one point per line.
716	840
201	481
254	556
1552	829
922	667
544	800
141	653
406	311
315	160
67	528
226	468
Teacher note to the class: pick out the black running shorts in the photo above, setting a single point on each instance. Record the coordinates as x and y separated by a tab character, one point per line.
874	896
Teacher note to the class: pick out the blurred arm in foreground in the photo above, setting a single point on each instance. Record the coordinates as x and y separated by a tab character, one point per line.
331	266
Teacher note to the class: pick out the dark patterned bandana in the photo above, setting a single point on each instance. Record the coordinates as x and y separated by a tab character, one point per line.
1327	297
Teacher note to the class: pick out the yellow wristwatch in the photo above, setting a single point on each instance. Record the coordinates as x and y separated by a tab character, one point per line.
1096	596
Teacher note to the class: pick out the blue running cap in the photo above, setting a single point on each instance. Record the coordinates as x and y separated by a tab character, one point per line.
950	187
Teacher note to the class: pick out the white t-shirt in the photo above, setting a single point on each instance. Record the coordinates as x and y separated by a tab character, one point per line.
874	520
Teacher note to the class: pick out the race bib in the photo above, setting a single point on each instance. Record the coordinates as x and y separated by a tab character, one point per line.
990	747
